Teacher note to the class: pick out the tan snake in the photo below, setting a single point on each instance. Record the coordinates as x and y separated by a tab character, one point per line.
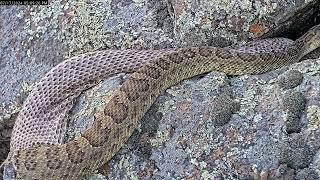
37	150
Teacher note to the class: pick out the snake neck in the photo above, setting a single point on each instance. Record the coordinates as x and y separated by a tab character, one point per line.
308	42
302	48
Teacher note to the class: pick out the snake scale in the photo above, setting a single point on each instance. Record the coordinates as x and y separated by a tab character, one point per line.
37	150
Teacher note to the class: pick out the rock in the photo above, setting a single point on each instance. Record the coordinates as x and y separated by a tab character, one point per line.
290	80
294	104
296	153
307	174
177	137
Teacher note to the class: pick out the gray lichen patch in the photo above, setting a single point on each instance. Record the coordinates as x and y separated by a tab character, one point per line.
296	153
33	40
224	107
313	113
290	79
45	19
307	174
197	23
294	104
121	25
190	119
186	144
87	33
89	102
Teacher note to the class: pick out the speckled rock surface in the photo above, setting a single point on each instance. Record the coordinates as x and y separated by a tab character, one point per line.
31	44
178	138
34	39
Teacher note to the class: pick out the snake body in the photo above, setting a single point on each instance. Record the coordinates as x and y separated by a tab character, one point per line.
37	149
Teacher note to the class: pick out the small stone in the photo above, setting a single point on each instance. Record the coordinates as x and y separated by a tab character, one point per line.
296	153
224	108
294	104
307	174
290	79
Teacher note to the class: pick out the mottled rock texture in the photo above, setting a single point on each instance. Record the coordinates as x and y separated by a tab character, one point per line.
183	136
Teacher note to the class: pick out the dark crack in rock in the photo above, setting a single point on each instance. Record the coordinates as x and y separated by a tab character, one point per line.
290	79
312	55
295	22
149	125
6	125
294	104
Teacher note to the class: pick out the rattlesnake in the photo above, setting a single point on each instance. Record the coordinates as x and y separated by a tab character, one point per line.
37	150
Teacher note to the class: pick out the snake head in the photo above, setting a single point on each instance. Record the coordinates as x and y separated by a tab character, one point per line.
310	41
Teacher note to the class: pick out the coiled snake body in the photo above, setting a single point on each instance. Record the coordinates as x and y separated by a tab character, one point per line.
37	150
